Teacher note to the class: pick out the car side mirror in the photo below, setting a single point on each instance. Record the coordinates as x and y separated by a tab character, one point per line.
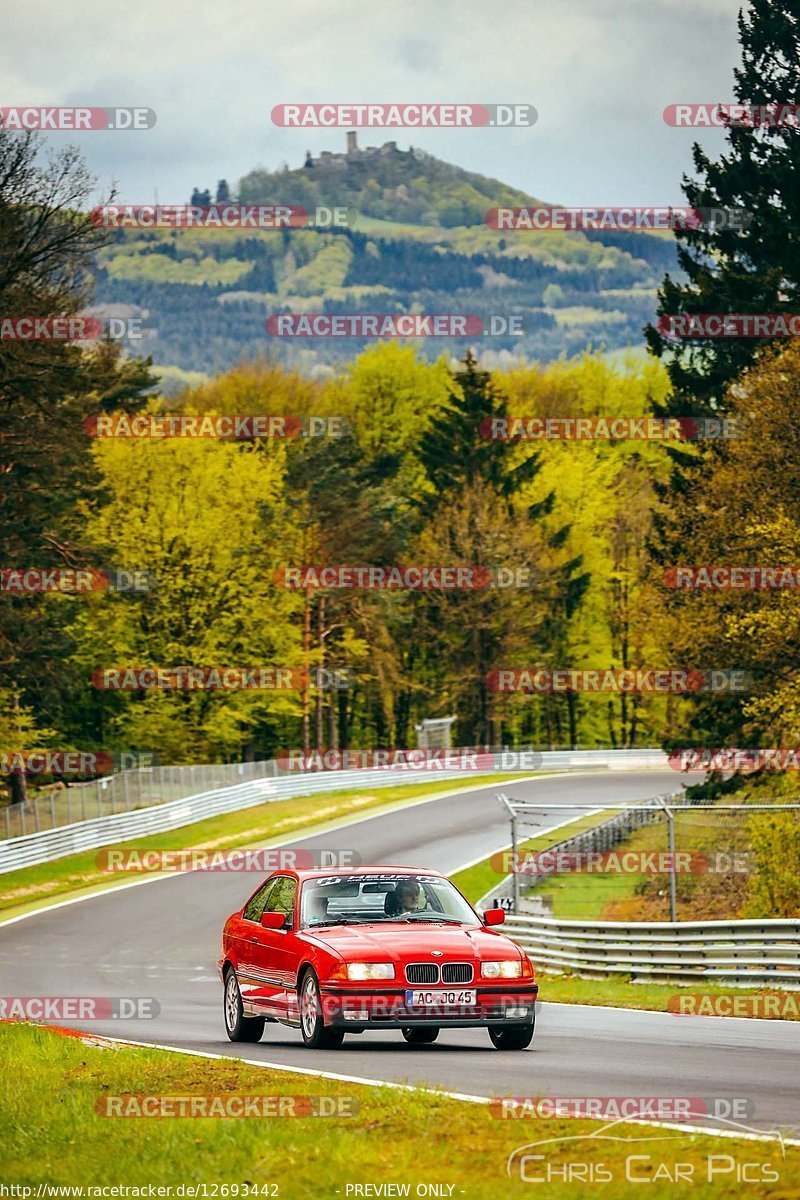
494	916
273	920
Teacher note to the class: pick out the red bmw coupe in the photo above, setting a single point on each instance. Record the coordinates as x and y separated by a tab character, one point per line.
372	948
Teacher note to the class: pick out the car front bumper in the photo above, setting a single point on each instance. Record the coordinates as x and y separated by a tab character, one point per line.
358	1010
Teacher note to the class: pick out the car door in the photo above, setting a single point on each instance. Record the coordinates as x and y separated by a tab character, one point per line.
274	970
248	943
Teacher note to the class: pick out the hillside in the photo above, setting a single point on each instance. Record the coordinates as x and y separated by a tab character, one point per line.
416	241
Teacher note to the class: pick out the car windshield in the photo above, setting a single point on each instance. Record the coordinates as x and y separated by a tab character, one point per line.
384	897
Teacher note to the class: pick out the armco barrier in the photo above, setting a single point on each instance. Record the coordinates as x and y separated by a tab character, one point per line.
756	953
91	834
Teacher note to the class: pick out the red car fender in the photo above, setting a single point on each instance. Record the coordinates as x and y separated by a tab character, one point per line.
322	959
228	954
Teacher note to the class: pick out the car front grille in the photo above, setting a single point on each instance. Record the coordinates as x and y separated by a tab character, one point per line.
422	972
429	973
456	972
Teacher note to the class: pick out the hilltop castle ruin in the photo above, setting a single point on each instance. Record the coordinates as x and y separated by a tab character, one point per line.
328	158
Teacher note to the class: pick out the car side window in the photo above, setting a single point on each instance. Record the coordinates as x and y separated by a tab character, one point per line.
281	899
256	905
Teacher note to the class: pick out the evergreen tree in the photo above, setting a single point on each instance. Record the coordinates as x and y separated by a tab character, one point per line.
755	269
454	451
49	388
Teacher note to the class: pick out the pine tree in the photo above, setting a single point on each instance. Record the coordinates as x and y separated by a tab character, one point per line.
456	454
755	269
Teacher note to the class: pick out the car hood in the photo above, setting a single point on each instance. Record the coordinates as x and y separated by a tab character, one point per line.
396	943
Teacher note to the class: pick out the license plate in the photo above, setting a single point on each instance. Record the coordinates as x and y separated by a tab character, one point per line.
438	996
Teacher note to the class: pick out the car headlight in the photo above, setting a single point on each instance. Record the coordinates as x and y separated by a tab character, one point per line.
370	970
512	969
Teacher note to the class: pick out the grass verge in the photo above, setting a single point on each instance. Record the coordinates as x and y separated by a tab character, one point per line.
34	887
634	896
475	881
623	993
52	1134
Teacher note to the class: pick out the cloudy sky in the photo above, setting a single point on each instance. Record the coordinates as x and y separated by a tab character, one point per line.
599	72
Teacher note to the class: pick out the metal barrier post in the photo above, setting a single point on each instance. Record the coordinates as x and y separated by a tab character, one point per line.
673	888
514	873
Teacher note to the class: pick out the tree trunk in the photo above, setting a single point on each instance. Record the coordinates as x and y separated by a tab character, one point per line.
572	710
18	787
306	669
320	694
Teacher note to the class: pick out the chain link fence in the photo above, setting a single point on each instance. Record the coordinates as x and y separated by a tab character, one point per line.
67	803
666	859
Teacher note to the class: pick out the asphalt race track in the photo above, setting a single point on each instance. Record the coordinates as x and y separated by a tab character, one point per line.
161	939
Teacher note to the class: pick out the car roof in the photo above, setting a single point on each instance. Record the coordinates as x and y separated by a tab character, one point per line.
379	869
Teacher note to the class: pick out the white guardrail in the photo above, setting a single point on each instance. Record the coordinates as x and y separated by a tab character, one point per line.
34	848
745	953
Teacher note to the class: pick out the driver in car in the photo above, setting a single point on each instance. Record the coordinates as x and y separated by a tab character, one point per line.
407	894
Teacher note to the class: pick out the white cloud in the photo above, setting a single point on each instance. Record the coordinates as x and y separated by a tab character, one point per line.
599	71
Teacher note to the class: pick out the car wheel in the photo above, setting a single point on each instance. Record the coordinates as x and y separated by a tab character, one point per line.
511	1037
418	1035
238	1027
315	1033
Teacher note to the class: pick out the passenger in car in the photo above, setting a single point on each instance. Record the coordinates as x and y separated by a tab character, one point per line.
318	908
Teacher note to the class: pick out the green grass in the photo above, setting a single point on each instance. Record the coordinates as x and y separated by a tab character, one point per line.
622	993
640	896
585	896
477	880
33	887
52	1133
582	896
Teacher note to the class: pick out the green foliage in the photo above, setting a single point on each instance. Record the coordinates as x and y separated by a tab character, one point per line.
774	886
416	237
156	268
410	480
730	269
739	505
